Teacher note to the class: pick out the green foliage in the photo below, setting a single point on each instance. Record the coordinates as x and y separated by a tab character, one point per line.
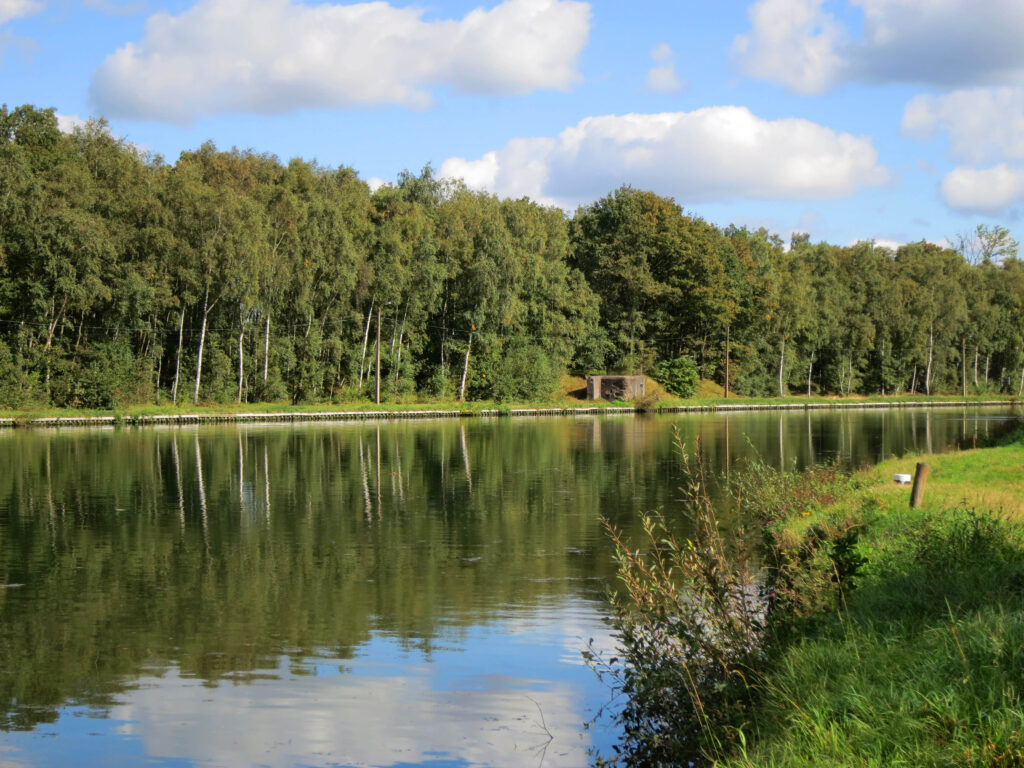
291	267
439	385
109	378
678	376
18	388
525	373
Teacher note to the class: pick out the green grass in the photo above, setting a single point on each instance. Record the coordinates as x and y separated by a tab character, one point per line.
660	399
924	664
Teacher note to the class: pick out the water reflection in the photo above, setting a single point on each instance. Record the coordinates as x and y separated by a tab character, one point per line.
202	580
363	711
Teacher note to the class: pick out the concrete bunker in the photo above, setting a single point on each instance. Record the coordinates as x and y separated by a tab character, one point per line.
616	387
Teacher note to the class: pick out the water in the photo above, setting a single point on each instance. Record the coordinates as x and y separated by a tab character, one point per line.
393	594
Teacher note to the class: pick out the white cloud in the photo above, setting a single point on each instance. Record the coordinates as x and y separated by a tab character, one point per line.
878	242
274	56
17	9
895	245
710	154
662	52
946	43
793	42
984	124
988	191
663	77
68	123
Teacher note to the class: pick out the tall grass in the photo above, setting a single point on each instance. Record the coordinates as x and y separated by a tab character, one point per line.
690	620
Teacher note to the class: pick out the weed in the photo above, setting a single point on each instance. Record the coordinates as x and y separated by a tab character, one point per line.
690	620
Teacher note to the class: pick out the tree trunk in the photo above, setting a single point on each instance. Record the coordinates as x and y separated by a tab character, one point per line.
202	342
401	336
266	352
394	337
241	357
52	328
931	351
177	358
78	338
782	365
378	355
977	354
465	370
727	328
366	338
913	382
1020	389
988	361
963	367
444	328
810	369
881	367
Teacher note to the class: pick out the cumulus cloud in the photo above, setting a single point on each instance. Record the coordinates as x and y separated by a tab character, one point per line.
711	154
948	43
984	124
794	42
274	56
17	9
987	191
662	76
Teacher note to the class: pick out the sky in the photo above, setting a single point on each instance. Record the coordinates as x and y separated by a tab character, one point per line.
885	120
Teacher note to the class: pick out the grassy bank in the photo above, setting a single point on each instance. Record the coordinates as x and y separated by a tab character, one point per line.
572	397
920	662
872	634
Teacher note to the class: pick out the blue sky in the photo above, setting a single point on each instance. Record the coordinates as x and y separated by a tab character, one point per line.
893	120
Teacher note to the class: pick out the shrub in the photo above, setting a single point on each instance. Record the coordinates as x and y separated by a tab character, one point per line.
525	372
439	385
678	376
110	377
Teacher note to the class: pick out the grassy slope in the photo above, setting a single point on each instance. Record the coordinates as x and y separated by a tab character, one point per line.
925	667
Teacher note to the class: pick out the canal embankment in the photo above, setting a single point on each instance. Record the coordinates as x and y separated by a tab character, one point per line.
144	416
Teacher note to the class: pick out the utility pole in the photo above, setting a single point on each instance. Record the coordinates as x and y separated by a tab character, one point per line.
378	354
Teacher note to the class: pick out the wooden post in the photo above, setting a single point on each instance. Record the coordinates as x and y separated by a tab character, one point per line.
920	480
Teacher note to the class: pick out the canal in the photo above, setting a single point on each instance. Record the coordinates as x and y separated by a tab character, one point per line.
407	593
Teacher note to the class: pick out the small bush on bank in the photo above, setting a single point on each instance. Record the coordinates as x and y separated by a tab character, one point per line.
524	373
679	376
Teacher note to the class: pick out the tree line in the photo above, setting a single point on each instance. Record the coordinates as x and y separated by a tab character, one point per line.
231	276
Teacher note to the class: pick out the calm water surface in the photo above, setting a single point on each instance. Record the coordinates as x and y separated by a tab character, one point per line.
393	594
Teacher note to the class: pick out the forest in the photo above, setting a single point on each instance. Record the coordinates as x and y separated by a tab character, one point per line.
229	276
